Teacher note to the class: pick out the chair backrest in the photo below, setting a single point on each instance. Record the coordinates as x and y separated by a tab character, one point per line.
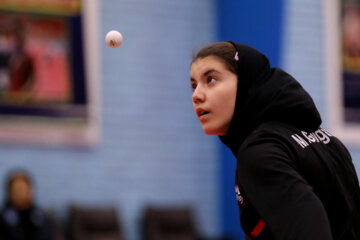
169	223
94	223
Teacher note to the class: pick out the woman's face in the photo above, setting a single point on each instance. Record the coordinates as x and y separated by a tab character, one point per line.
20	193
214	94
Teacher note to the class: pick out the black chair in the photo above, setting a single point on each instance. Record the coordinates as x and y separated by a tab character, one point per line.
94	223
169	223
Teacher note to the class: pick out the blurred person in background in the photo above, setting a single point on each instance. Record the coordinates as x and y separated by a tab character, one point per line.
294	180
20	218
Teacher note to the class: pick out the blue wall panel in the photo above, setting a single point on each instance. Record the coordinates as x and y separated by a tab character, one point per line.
258	24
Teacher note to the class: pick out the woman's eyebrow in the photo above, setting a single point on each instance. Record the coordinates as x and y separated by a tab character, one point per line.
210	71
206	73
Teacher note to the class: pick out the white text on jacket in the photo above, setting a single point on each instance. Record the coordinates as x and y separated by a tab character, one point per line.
320	135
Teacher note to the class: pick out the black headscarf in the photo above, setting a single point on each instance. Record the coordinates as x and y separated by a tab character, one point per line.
266	94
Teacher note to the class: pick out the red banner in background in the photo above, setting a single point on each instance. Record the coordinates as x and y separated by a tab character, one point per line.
35	54
53	6
46	84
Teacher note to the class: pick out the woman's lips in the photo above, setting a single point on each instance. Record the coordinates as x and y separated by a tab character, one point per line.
204	116
202	113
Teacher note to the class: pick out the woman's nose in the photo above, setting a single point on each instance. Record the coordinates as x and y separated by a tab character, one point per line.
198	95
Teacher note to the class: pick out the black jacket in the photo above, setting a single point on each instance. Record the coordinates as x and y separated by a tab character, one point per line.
29	224
294	180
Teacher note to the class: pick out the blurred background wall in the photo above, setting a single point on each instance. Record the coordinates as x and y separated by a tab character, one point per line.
251	23
153	150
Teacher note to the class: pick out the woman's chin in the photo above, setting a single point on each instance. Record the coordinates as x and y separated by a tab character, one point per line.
214	131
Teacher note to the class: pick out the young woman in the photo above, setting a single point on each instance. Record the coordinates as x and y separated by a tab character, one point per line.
294	180
20	218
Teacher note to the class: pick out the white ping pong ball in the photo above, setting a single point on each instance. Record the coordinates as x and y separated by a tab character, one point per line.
114	39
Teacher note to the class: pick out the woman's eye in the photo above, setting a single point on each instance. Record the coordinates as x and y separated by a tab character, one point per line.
193	86
211	79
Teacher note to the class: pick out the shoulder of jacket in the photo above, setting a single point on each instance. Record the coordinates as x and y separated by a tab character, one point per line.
267	140
267	133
